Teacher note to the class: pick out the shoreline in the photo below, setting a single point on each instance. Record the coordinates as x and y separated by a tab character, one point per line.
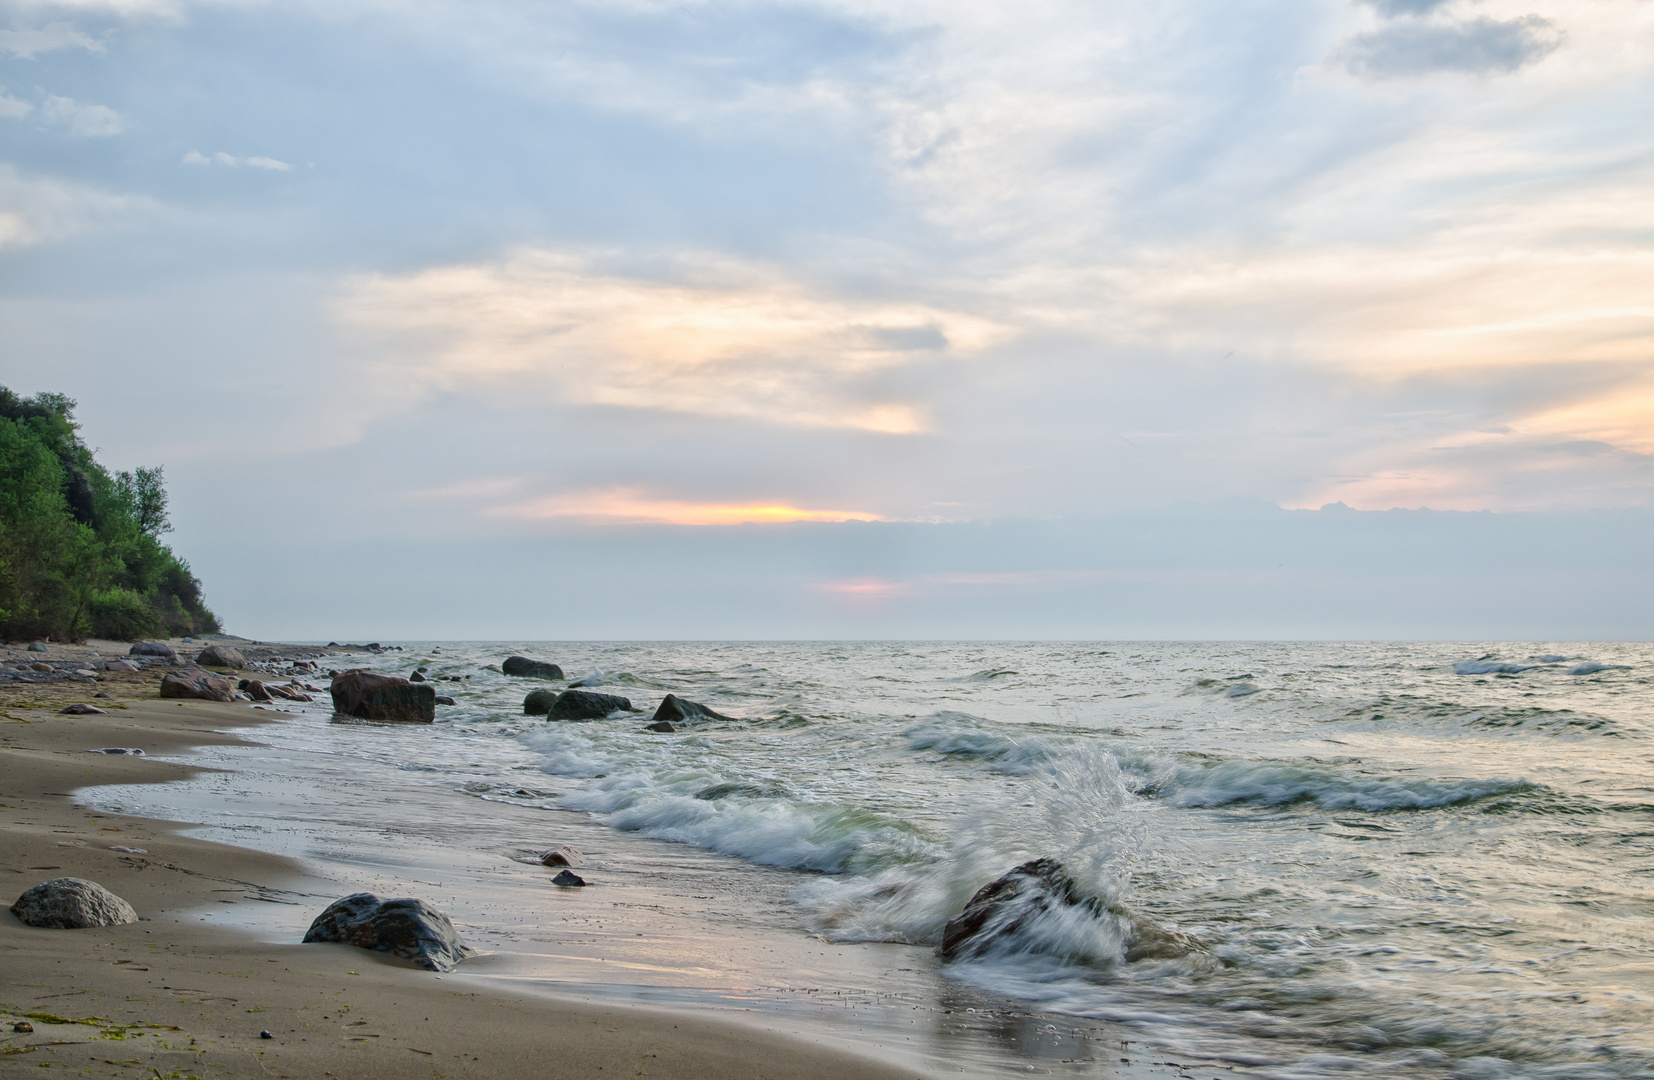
177	995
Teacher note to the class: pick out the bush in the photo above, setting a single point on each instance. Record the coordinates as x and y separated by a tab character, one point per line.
121	614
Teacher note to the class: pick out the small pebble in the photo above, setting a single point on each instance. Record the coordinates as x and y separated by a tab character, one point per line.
22	1025
265	1035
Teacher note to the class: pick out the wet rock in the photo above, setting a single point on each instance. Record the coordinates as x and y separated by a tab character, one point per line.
539	702
221	656
524	668
192	682
561	856
68	903
568	879
1002	910
406	927
256	690
586	705
152	648
80	709
290	692
664	726
675	710
38	646
444	699
131	750
375	696
416	677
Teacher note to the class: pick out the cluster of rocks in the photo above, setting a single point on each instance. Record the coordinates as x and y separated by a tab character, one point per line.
576	703
372	647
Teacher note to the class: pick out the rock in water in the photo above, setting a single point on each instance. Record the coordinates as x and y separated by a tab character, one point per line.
221	656
408	928
373	696
523	667
444	699
192	682
1005	908
416	677
152	648
256	690
586	705
675	710
663	726
72	903
539	702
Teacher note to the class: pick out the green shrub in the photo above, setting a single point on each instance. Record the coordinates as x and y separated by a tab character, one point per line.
121	614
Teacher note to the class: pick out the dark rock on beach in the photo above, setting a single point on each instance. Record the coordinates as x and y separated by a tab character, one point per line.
523	667
153	648
586	705
539	702
568	879
374	696
68	903
256	690
408	928
1002	909
675	710
81	709
221	656
192	682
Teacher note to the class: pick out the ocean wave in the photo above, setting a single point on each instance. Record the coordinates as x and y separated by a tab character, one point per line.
960	735
1490	667
1591	667
1275	783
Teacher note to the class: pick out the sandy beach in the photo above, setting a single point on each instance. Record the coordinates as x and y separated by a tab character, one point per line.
171	996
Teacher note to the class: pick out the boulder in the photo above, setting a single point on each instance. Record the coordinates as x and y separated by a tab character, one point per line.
41	667
38	646
152	648
444	699
561	856
539	702
286	693
416	677
69	903
1003	909
256	690
524	668
586	705
663	726
408	928
221	656
375	696
79	709
675	710
192	682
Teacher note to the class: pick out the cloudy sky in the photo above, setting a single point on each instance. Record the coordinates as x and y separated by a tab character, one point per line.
833	318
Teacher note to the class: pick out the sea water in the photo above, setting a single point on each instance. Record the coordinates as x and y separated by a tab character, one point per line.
1421	860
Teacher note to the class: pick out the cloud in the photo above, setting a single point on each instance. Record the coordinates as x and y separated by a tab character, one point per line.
1405	7
1480	46
27	44
706	334
37	209
86	121
630	505
12	108
230	161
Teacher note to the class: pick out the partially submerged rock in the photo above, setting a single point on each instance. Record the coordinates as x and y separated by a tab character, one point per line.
525	668
152	648
221	656
192	682
675	710
663	726
256	690
1002	913
406	927
444	699
561	856
69	903
586	705
539	702
375	696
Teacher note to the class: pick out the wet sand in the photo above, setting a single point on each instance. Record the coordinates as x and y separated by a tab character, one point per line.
175	996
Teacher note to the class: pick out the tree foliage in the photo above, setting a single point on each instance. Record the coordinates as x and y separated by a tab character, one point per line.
80	549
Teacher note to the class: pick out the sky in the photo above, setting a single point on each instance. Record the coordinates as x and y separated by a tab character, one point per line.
836	319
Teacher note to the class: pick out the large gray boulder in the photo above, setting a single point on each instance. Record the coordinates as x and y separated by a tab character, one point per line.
221	656
375	696
152	648
539	702
523	667
192	682
675	710
586	705
37	646
408	928
1003	913
71	903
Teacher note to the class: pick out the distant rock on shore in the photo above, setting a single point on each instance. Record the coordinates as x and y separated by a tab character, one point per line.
193	682
153	648
371	695
221	656
524	668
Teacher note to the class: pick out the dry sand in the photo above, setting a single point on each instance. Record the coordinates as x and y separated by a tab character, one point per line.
172	997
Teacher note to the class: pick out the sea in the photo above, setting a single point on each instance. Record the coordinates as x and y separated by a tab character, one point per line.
1428	860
